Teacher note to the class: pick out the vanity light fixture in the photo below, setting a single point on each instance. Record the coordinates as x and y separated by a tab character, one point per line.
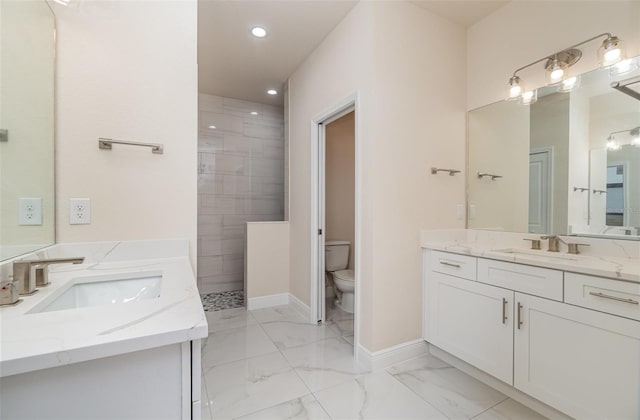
557	65
258	32
614	144
529	97
272	92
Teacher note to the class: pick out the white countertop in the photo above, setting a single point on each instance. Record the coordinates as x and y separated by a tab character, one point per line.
34	341
611	258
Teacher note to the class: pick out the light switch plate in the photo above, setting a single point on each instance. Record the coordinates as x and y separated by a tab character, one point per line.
29	211
472	211
79	211
459	211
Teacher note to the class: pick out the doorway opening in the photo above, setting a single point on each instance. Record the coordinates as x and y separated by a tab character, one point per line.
335	245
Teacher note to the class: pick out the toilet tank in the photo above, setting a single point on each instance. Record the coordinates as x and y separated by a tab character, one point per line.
336	255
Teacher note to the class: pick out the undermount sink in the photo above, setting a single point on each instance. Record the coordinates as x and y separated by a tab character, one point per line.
112	289
540	254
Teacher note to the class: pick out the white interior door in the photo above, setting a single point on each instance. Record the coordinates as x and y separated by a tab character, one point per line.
321	222
540	192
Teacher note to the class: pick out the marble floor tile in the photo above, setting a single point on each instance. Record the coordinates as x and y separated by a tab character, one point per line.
247	386
229	318
324	364
349	339
235	344
291	334
278	313
305	408
333	313
204	402
510	410
345	326
454	393
375	396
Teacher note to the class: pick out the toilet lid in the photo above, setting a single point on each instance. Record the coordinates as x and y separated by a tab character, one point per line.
346	275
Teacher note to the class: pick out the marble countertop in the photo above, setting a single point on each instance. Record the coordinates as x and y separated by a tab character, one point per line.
34	341
615	259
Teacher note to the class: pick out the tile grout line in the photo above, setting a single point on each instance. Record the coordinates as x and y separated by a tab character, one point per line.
415	393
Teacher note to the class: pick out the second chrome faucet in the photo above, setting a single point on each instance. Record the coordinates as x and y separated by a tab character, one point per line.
31	274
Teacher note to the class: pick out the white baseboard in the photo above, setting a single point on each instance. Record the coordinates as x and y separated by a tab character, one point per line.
494	383
267	301
278	300
384	358
300	307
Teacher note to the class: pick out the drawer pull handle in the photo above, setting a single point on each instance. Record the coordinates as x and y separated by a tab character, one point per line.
504	310
602	295
450	264
519	318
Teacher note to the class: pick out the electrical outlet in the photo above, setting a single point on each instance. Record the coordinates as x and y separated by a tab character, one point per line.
29	211
472	211
79	211
459	211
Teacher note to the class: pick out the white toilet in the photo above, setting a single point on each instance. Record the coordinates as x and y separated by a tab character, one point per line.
336	261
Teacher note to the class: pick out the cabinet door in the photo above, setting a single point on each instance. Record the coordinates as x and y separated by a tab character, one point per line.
582	362
474	322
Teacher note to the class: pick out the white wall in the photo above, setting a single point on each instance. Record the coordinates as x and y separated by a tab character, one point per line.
267	259
411	117
499	144
524	31
127	70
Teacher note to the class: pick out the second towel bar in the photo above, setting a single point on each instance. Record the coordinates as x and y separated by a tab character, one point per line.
106	145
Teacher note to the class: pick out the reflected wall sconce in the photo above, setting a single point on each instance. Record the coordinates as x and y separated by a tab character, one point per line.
492	176
613	144
557	68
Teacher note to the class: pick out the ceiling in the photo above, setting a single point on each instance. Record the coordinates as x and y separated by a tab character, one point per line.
462	12
232	63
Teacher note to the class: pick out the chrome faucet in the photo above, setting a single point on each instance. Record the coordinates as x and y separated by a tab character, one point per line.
30	274
554	243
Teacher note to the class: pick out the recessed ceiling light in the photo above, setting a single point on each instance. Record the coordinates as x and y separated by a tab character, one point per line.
212	127
258	32
253	113
272	92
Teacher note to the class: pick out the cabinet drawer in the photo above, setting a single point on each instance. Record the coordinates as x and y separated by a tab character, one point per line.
454	264
535	281
606	295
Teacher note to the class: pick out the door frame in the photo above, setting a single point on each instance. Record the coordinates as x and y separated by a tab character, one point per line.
317	273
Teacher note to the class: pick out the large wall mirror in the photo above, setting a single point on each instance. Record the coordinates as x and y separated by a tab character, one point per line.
27	61
566	164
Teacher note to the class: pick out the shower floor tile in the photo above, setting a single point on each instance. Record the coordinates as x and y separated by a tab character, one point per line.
223	300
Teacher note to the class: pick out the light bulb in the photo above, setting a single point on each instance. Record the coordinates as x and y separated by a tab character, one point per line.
611	51
213	127
258	32
529	97
557	74
556	70
514	88
569	84
612	144
623	67
272	92
636	141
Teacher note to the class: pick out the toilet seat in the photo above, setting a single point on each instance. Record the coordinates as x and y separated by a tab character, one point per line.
344	275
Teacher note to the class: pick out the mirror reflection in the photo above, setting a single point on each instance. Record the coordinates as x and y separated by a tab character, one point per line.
566	164
26	126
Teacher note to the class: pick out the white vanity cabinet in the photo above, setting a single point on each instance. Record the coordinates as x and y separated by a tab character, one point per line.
515	323
584	363
474	322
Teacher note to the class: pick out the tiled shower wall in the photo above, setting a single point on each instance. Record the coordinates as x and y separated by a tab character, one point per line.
240	179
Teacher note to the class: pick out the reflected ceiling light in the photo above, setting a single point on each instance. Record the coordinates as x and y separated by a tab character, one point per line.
254	113
272	92
213	127
258	32
62	2
569	84
557	64
623	67
529	97
635	134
